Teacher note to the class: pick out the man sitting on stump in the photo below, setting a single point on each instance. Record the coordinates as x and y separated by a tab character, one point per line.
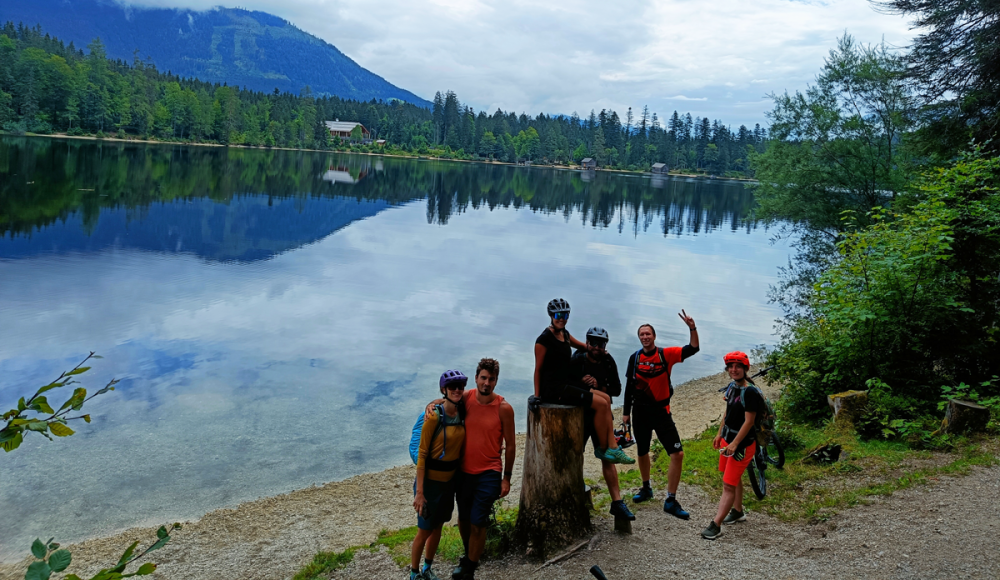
648	387
596	369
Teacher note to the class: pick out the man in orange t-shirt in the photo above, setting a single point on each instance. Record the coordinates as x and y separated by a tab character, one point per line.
648	388
489	433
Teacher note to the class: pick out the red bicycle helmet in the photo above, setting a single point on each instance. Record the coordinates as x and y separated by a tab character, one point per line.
737	356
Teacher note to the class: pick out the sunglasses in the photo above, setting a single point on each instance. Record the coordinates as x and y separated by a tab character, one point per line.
455	386
599	345
560	316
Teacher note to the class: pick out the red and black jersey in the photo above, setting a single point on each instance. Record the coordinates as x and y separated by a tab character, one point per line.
648	376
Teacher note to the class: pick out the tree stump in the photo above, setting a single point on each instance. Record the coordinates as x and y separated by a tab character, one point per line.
623	525
553	508
965	417
847	406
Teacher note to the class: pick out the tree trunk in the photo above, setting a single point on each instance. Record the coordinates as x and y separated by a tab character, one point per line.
965	417
553	508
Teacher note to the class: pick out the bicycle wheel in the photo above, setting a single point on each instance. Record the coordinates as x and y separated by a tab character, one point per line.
757	479
775	453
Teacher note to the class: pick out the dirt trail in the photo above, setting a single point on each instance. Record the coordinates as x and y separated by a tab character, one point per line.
274	537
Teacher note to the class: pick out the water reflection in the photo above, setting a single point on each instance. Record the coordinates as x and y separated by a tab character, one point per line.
273	329
252	204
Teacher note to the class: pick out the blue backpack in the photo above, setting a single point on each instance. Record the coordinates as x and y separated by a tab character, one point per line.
418	428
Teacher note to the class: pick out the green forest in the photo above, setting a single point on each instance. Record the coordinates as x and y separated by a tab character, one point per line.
884	174
48	87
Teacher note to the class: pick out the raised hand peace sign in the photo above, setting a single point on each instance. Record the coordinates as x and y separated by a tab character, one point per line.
687	319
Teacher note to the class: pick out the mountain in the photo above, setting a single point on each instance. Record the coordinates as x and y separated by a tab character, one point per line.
226	45
243	229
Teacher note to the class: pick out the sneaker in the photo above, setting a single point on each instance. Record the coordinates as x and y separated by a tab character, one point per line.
428	574
616	455
599	452
464	570
416	575
711	532
645	494
673	507
734	516
620	510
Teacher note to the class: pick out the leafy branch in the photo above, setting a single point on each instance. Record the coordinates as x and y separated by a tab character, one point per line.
50	558
20	423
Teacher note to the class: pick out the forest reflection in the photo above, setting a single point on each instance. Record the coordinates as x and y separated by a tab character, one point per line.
44	180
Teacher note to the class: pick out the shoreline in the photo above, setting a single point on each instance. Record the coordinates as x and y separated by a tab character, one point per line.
391	155
275	536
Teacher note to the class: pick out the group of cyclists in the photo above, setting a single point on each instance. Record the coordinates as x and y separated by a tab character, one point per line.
465	432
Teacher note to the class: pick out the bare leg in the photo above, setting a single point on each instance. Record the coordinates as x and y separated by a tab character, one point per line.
477	542
432	544
611	478
725	503
418	546
738	503
604	424
644	466
674	471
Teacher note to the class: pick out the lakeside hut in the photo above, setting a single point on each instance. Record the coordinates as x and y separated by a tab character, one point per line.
660	169
588	163
344	130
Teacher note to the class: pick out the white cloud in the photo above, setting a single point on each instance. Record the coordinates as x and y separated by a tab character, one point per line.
558	57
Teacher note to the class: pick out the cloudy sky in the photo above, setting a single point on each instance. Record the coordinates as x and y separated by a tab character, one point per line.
717	58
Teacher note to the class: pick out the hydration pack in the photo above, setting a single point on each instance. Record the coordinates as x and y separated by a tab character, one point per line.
764	421
652	370
435	463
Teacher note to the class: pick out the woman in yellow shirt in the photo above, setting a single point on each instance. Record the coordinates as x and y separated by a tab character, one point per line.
438	459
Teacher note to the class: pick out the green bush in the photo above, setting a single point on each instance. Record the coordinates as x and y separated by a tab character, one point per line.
911	301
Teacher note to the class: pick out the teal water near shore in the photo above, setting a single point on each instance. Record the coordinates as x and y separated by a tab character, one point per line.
277	318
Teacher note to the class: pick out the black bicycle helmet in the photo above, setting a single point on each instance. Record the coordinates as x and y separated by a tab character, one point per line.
557	305
598	333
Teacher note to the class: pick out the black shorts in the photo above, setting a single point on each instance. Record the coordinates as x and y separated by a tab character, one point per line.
440	496
570	395
645	420
476	495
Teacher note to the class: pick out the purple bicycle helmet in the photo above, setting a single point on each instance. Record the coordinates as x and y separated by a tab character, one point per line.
452	377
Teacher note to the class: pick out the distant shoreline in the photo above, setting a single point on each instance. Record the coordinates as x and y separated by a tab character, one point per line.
393	155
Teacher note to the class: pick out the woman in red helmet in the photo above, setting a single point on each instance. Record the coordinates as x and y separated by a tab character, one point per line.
736	442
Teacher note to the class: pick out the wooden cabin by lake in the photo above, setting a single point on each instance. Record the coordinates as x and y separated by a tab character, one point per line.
588	163
344	129
660	168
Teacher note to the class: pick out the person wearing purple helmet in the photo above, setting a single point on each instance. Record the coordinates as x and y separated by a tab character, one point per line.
438	459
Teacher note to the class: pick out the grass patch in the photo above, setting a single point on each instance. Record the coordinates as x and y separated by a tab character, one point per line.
399	542
817	492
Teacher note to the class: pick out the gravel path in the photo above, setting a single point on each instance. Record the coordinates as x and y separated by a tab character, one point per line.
274	537
943	530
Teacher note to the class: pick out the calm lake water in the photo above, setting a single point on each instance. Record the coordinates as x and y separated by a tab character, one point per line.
278	319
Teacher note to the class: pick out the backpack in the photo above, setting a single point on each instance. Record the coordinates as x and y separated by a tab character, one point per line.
418	427
764	422
658	396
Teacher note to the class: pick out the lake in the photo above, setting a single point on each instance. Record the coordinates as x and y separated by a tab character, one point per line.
279	318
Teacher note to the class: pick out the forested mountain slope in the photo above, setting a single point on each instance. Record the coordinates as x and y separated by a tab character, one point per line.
243	48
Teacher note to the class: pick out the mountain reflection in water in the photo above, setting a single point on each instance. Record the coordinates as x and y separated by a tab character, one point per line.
86	196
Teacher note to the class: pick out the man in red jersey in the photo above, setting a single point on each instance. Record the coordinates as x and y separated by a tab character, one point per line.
648	387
